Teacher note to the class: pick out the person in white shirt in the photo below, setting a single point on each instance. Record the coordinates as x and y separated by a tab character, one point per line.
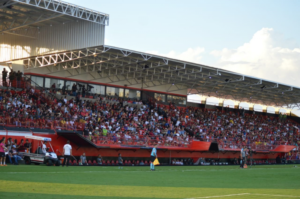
44	148
67	153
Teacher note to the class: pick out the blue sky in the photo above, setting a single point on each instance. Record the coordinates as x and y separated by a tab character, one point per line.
251	37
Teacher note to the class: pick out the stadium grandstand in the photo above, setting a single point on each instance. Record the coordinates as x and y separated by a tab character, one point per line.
61	81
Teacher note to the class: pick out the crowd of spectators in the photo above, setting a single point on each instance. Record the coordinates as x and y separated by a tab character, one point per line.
8	78
108	120
9	150
181	162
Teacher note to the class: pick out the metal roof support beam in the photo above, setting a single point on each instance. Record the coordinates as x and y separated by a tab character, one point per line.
193	78
8	3
249	97
158	77
27	22
181	83
70	56
126	74
29	33
249	92
64	8
271	87
115	67
219	82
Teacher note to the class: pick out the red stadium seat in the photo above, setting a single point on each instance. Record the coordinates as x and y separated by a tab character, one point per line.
90	162
103	162
108	163
125	162
146	162
70	162
75	162
94	162
113	163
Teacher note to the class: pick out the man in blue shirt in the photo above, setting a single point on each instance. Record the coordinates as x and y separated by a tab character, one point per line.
152	158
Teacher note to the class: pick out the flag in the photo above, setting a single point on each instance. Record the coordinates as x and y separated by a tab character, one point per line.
156	162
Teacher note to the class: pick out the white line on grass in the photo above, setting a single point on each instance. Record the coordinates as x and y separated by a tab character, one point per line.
257	194
142	171
236	169
73	172
240	194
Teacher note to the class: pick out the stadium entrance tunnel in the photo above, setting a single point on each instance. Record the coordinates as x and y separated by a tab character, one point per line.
77	139
214	147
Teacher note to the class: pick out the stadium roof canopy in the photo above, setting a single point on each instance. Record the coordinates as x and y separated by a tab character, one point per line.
25	17
138	68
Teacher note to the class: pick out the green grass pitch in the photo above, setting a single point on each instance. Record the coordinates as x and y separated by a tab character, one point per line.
91	182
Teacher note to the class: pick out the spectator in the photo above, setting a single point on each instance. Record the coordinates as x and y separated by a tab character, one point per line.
83	91
83	160
27	146
2	152
19	78
74	89
53	88
21	147
9	144
4	76
15	155
99	160
11	77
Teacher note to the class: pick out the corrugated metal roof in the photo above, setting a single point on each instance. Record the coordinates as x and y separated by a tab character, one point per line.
136	68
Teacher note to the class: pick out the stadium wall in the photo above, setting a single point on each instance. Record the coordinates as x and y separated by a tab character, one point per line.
59	141
57	37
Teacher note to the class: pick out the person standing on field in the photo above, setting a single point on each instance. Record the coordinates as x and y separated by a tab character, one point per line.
67	153
243	156
251	156
120	161
152	158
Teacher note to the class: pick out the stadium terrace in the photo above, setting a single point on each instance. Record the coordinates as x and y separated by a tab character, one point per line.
64	83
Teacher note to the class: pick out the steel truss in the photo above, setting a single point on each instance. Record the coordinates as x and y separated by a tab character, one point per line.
65	8
19	17
137	69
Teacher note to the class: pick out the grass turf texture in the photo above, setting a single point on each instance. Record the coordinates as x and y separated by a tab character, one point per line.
280	181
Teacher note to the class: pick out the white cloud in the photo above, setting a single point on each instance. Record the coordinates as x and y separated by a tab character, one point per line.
263	57
191	54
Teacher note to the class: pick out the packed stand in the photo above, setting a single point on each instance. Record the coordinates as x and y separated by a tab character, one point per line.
108	121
